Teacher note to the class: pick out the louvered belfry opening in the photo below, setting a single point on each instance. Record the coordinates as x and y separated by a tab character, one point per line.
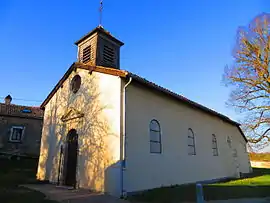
108	55
99	48
86	54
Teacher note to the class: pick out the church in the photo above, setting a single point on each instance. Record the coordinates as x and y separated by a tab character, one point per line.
107	129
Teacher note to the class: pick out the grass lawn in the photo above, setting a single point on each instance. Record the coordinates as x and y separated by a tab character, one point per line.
257	185
12	174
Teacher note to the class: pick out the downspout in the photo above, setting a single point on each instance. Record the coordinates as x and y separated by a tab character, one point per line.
123	149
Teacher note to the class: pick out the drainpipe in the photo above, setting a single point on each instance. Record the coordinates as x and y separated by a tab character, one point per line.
123	149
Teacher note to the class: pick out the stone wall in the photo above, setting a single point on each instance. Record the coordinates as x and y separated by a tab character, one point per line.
30	143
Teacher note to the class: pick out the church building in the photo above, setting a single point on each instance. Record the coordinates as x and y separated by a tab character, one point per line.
109	130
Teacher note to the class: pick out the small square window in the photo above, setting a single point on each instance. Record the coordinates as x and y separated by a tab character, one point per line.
16	134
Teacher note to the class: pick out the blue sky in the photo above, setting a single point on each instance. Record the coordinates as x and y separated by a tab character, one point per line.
181	45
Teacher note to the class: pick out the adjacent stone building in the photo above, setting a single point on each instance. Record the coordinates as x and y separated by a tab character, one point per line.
20	129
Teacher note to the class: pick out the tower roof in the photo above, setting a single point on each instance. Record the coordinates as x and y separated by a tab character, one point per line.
8	97
101	30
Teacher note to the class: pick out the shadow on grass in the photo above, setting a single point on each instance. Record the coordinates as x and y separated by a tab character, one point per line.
183	193
235	192
22	195
258	172
175	193
188	193
14	173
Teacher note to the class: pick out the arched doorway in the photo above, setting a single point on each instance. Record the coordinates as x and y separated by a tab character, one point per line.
71	158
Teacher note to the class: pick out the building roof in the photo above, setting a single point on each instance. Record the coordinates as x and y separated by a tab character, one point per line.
20	111
99	29
146	83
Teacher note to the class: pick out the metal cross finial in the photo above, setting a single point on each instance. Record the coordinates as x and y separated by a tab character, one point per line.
100	13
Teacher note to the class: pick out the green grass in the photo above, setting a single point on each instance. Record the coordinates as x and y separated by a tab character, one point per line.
259	177
14	173
256	185
256	181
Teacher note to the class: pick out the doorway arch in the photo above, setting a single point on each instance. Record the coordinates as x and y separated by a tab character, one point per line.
71	158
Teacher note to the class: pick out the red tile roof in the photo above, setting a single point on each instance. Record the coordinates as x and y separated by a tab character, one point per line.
20	111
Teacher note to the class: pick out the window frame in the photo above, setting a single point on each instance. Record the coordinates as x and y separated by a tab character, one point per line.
193	145
229	141
235	153
214	148
11	133
75	83
154	141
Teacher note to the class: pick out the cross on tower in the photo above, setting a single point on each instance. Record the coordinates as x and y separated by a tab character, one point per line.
100	13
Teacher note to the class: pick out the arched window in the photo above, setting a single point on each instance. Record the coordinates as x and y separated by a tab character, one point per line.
191	142
229	141
155	137
214	145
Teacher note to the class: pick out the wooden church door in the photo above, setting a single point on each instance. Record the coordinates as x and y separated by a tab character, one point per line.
71	162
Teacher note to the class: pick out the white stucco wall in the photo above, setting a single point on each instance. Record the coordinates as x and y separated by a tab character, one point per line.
98	131
174	166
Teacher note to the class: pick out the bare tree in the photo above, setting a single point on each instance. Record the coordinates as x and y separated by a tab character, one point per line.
250	79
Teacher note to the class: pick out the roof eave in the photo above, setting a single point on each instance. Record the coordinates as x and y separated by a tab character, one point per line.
21	116
106	70
143	81
242	133
99	30
176	96
57	86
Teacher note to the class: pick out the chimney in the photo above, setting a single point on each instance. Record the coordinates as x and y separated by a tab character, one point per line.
8	99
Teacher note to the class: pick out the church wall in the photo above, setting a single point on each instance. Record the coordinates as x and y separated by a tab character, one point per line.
98	131
146	170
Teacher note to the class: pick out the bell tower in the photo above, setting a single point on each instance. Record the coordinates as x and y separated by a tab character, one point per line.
99	48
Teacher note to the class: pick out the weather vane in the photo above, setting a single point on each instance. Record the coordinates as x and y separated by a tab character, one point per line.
100	13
